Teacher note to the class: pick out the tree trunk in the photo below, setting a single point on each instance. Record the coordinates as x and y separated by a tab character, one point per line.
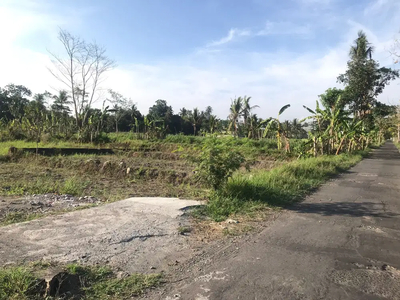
340	146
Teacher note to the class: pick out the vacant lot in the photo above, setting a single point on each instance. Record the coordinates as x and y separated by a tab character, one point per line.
139	169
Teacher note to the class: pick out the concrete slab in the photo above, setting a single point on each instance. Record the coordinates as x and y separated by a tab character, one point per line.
133	234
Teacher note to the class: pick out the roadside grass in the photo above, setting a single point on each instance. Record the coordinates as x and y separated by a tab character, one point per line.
18	217
277	188
17	284
96	282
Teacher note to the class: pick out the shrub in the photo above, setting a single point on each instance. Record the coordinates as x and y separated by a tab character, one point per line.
216	163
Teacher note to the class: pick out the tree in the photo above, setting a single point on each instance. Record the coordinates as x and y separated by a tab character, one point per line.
329	98
61	102
120	106
364	80
280	132
13	100
213	123
195	118
161	111
236	110
81	71
395	50
247	108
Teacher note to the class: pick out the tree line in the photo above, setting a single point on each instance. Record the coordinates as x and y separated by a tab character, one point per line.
343	119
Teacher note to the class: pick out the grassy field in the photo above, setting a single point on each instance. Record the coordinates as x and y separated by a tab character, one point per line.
157	168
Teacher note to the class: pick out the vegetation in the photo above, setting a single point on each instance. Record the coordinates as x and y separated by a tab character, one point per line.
279	187
24	283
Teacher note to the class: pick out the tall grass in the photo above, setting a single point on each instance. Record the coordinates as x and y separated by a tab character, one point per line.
279	187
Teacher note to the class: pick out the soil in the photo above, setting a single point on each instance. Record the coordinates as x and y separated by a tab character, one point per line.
42	205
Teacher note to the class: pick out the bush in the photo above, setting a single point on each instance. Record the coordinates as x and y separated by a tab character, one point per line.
216	163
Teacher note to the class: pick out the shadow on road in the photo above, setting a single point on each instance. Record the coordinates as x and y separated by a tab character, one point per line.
351	209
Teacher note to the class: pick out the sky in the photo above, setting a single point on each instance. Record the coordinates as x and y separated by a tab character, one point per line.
195	53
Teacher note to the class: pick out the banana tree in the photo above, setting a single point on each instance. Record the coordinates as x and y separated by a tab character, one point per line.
280	132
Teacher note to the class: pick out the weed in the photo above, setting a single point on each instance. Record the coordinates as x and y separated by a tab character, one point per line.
124	288
184	229
74	186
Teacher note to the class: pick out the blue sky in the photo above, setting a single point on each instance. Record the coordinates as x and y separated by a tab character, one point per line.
196	53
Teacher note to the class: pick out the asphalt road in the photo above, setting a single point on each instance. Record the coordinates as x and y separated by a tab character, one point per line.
342	242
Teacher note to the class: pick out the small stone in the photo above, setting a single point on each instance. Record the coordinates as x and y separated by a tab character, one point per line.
152	268
128	170
105	166
231	221
122	274
122	165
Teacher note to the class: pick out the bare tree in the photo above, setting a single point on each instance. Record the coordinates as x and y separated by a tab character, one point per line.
395	50
120	107
81	70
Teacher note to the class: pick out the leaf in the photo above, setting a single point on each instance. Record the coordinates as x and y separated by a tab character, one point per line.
269	126
306	118
309	109
283	109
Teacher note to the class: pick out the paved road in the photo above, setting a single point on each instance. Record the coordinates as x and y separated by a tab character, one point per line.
343	242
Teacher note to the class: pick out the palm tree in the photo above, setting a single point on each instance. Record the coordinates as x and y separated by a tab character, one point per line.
61	110
213	123
297	128
361	49
247	108
236	110
195	118
61	102
254	126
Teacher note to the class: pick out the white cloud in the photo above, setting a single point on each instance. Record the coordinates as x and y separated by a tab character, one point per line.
232	35
270	28
284	28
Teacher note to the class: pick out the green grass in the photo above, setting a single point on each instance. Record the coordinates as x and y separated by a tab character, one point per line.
98	282
247	193
5	146
17	283
47	184
18	217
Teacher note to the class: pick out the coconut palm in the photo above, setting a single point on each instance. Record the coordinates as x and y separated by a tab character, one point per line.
236	110
247	108
213	123
195	118
362	49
